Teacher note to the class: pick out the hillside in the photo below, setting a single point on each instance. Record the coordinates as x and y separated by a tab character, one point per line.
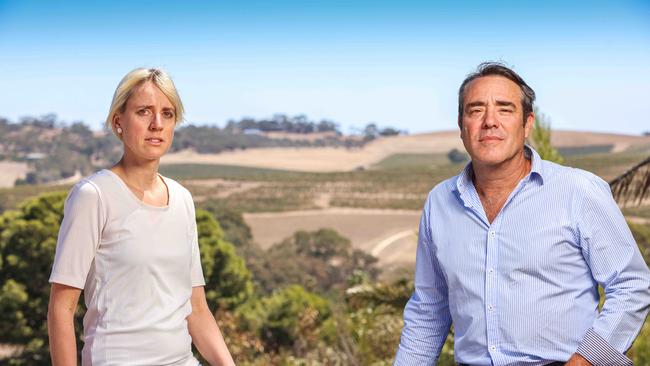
330	159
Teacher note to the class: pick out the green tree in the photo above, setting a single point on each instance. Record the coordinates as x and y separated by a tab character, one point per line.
228	280
288	318
456	156
28	238
319	260
27	244
541	139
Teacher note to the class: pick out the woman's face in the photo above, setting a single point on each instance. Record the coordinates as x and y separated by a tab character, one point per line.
147	123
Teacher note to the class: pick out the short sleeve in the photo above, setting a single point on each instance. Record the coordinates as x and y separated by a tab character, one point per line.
79	235
196	272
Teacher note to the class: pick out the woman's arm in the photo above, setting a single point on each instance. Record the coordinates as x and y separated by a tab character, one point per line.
205	333
60	324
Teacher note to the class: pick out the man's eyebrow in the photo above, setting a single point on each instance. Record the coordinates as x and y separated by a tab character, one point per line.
505	103
475	104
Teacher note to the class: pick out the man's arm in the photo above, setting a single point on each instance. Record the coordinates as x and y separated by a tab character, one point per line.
205	333
426	316
617	265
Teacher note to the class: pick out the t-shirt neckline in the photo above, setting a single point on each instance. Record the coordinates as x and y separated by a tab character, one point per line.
138	200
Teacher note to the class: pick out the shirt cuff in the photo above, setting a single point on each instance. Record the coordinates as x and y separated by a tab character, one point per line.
600	353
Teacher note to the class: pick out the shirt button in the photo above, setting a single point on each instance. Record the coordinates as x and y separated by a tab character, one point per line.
493	234
491	271
490	307
494	348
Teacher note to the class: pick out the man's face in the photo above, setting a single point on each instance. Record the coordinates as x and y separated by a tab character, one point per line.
493	131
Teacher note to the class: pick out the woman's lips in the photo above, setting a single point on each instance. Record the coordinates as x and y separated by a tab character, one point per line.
154	140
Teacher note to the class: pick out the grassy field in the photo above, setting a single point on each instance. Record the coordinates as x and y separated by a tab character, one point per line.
607	166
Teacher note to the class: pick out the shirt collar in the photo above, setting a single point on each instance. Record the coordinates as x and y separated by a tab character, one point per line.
464	179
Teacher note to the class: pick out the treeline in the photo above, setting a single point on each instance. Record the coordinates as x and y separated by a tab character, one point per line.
283	123
57	150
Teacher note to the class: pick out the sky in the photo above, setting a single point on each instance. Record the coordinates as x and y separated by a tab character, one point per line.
394	63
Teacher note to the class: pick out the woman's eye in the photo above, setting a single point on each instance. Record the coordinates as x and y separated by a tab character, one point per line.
168	114
143	112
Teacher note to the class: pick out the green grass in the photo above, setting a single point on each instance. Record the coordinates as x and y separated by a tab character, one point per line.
585	150
211	171
638	211
407	161
10	198
607	166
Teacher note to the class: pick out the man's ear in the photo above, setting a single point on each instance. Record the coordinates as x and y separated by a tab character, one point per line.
529	125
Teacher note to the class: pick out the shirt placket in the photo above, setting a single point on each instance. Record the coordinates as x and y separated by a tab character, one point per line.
491	292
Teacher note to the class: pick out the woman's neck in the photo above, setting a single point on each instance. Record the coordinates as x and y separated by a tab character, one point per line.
137	173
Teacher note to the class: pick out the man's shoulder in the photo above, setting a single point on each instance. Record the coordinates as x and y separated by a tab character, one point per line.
444	189
573	178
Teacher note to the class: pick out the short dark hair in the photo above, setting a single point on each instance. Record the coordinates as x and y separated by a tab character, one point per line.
498	69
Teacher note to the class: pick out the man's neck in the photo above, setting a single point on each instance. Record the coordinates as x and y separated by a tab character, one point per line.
504	176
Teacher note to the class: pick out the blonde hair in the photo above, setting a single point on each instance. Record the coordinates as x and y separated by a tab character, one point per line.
136	77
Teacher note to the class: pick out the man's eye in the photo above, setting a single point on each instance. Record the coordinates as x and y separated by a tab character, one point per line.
505	110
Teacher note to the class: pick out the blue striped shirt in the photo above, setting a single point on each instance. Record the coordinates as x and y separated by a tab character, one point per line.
522	290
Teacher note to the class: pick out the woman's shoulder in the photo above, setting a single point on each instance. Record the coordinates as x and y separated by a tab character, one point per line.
88	191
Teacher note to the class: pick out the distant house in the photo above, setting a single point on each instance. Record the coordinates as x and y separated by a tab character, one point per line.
35	156
252	131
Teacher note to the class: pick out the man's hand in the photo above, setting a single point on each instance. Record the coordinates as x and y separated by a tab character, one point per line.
577	360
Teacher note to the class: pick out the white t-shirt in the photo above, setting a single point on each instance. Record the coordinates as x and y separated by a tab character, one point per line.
137	265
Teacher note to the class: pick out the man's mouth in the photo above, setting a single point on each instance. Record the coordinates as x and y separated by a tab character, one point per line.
490	138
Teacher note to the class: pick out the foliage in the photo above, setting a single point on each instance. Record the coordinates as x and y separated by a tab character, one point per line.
541	139
228	281
28	238
27	245
634	183
371	131
283	123
289	317
235	229
320	260
456	156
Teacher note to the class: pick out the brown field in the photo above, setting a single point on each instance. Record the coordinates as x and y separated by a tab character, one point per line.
326	159
579	139
331	159
388	234
10	171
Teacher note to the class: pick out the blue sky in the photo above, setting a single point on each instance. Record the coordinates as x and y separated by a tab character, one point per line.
396	63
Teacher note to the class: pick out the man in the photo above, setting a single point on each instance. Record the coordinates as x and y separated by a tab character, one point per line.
513	248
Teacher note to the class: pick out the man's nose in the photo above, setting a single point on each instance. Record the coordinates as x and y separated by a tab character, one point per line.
490	118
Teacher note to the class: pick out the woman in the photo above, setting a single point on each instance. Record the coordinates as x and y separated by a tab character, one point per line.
128	240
